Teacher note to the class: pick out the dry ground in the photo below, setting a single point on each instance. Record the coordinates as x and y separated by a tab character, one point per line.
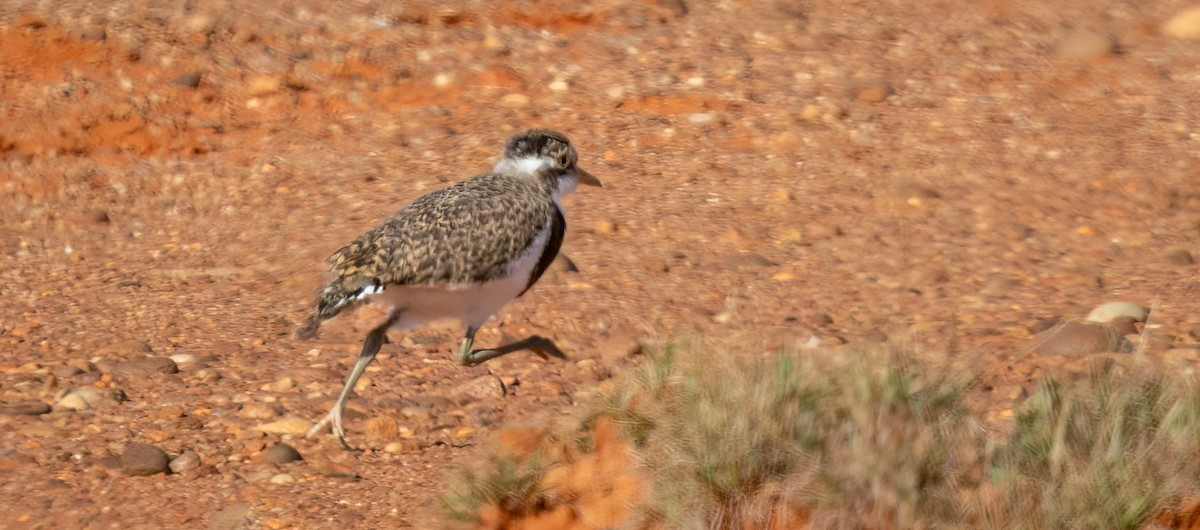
949	176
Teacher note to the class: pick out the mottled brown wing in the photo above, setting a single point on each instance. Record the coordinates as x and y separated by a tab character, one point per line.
466	233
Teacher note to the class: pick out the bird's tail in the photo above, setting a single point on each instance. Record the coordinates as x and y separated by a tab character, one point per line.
335	297
332	300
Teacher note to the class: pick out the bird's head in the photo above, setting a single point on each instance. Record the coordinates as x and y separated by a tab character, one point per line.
547	155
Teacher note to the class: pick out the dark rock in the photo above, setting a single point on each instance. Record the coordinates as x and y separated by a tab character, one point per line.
188	80
1181	257
139	459
26	408
282	454
145	367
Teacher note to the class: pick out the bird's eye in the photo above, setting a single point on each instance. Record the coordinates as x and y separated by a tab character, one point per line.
562	159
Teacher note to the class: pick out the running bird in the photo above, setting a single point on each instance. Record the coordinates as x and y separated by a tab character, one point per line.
460	252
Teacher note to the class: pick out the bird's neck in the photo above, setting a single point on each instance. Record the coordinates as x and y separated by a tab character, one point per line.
557	184
528	165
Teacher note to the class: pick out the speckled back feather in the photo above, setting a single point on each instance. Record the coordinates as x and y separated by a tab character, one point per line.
466	233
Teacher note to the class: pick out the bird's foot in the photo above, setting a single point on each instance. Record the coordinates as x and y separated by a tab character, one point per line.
334	421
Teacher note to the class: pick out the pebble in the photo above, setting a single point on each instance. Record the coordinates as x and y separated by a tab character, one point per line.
1078	338
482	387
701	118
559	86
282	478
146	367
66	371
1185	24
282	385
811	112
1111	310
188	80
873	91
1088	44
282	454
604	226
258	411
514	101
27	408
230	518
382	429
292	426
139	459
186	461
125	349
81	399
183	358
261	85
1181	257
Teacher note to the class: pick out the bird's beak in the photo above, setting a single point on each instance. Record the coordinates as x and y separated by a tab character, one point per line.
587	178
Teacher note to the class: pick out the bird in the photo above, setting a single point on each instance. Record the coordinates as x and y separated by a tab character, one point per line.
460	252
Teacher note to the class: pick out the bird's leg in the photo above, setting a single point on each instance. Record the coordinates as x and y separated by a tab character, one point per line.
545	348
371	346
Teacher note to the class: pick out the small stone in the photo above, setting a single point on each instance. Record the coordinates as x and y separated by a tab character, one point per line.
605	226
282	454
66	371
183	358
146	367
72	402
1111	310
99	216
559	86
615	92
188	80
873	91
394	447
125	349
811	112
232	517
27	408
382	429
514	101
262	85
139	459
282	478
292	426
482	387
186	461
203	23
81	399
695	82
701	118
443	80
1185	24
282	385
1079	338
276	523
1181	257
258	411
1088	44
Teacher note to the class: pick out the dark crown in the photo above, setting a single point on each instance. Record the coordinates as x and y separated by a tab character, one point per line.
536	143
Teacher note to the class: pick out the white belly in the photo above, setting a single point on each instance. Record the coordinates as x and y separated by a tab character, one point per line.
472	304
